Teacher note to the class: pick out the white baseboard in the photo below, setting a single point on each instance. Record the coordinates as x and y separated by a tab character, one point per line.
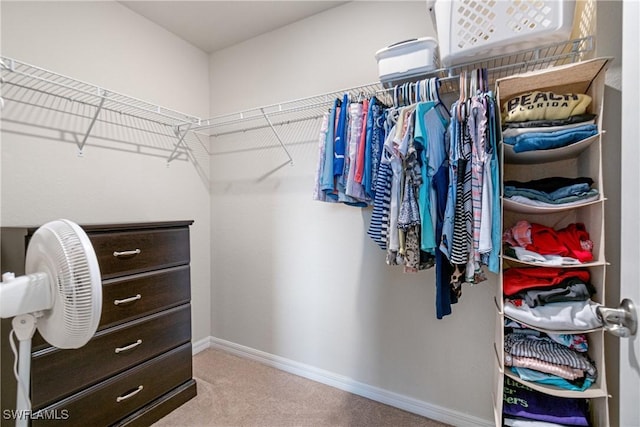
200	345
341	382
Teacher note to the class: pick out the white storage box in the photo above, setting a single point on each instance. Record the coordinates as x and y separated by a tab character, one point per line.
406	59
469	30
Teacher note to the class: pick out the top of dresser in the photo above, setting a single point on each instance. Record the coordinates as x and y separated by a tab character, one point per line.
115	226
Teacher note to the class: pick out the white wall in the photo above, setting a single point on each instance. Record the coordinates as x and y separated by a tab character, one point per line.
300	279
105	44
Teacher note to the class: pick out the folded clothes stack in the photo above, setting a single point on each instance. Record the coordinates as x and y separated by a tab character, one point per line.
524	407
537	357
565	316
532	242
550	298
551	192
538	286
546	120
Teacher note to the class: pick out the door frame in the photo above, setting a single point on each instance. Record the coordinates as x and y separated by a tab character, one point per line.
630	209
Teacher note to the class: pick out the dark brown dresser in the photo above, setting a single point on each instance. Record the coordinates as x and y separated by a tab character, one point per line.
138	366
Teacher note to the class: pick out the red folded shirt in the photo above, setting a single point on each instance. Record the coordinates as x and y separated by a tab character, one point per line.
572	241
516	280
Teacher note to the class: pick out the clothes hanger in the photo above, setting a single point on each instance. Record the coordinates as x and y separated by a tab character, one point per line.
435	83
407	94
395	96
430	93
463	95
473	84
412	93
473	90
435	89
404	94
424	88
483	86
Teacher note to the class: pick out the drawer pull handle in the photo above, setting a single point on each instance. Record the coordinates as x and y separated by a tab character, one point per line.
126	253
128	347
126	300
129	395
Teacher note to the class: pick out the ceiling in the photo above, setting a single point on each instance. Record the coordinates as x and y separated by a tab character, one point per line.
214	25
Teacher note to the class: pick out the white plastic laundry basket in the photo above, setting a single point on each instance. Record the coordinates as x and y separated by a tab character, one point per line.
469	30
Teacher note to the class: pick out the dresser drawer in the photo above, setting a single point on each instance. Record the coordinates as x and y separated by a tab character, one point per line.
135	251
138	296
112	400
130	297
58	373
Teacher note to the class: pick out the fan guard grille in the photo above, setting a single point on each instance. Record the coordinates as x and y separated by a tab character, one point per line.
63	250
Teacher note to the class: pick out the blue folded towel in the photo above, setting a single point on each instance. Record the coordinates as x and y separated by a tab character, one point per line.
548	140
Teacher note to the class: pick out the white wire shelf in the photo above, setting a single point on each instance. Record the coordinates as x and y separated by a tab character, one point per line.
313	107
71	110
24	82
50	101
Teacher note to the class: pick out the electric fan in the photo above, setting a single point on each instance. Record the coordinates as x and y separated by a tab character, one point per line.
60	294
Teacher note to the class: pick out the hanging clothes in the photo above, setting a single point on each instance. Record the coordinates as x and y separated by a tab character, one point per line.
379	225
327	181
409	219
318	194
430	175
350	147
492	259
374	142
444	295
462	220
339	143
392	156
354	192
362	145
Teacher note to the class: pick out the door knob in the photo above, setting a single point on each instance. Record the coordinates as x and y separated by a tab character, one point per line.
621	321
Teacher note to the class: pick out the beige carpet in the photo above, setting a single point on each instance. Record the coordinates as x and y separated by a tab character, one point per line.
234	392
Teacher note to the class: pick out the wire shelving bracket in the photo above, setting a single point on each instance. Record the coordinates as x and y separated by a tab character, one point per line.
81	144
277	135
180	135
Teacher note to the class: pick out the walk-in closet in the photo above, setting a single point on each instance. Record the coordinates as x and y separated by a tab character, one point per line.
425	210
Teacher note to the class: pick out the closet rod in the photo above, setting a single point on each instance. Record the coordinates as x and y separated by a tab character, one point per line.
257	127
292	106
